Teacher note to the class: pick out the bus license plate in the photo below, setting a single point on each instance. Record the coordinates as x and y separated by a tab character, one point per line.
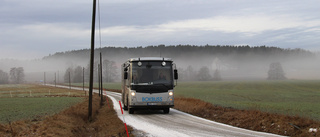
151	104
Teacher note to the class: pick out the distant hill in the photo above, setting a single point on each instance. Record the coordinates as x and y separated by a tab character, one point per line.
233	61
187	52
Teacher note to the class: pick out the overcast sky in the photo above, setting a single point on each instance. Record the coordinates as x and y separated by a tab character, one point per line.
32	29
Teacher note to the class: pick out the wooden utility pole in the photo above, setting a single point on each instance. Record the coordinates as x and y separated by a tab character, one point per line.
101	100
99	78
58	77
69	80
92	60
44	78
85	92
83	78
55	79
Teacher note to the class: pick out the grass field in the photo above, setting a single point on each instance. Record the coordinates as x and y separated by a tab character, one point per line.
19	102
13	109
290	97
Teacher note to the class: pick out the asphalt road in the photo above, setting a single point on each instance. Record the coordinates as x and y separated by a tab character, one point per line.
177	124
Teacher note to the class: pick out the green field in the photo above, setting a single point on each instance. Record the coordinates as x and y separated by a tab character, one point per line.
13	109
290	97
18	102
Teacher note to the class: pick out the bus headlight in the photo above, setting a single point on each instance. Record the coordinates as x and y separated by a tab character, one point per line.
170	93
133	94
163	64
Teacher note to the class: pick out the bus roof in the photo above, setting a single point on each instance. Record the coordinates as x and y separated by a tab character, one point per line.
150	59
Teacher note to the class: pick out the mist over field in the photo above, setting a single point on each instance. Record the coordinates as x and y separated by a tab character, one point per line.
193	62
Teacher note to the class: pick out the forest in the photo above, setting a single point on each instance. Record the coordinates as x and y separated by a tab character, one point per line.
182	51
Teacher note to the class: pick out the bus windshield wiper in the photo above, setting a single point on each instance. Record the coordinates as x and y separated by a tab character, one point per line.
162	85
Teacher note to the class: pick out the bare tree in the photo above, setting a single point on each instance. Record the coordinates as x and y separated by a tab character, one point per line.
204	74
17	75
109	70
217	65
66	74
276	72
77	75
87	73
182	74
4	77
190	73
217	75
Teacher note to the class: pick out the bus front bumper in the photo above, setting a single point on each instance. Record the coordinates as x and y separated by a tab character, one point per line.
151	105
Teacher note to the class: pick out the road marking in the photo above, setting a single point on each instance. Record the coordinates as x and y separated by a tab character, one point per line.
124	121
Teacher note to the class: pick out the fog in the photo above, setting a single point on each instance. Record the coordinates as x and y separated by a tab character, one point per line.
254	67
232	65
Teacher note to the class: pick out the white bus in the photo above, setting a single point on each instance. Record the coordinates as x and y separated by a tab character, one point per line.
147	83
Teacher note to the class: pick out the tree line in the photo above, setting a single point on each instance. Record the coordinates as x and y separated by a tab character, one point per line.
78	74
207	62
180	51
275	72
15	76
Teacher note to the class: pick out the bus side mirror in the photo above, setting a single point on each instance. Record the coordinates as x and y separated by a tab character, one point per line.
175	74
125	75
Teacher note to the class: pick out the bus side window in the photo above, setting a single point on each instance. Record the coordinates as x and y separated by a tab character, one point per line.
128	80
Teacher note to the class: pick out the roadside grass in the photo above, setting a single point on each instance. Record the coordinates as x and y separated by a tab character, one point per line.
291	97
249	119
72	122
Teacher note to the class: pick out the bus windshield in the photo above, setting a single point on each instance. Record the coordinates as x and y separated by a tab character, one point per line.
152	73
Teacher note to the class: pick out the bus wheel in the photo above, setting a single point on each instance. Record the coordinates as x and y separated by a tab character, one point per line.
166	110
131	111
125	107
